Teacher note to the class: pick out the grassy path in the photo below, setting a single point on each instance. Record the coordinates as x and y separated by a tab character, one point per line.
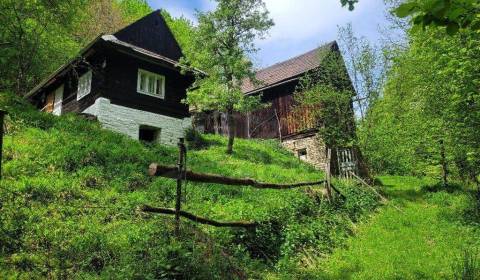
423	242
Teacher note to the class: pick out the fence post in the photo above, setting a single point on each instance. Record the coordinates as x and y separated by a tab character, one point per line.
178	202
328	175
2	118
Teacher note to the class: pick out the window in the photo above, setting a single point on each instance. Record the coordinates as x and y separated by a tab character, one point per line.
149	134
302	154
151	84
84	85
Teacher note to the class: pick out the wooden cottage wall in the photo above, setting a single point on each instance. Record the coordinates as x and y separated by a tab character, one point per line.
122	75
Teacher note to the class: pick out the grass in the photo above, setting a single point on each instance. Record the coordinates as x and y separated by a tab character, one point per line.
425	241
71	194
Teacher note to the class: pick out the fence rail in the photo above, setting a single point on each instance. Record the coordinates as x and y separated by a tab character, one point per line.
181	173
172	172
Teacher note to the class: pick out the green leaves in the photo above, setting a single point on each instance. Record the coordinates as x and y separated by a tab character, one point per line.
452	14
406	9
452	28
350	3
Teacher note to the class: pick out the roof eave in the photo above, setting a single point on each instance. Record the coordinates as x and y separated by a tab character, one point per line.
51	77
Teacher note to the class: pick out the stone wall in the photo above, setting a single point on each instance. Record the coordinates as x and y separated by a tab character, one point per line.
309	148
128	121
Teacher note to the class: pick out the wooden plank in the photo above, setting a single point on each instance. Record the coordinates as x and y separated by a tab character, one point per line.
172	172
178	201
2	118
197	219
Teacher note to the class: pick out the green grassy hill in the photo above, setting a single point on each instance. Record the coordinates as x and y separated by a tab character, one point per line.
71	192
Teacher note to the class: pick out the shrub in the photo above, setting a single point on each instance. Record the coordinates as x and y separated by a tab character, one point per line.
195	139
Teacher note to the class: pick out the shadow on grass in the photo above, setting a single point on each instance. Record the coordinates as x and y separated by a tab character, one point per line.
403	195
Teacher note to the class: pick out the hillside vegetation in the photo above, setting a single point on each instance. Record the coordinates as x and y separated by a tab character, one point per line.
71	194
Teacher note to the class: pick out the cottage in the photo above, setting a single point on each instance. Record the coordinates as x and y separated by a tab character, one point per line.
130	81
295	128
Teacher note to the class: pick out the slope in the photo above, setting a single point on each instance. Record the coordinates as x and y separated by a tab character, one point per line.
71	194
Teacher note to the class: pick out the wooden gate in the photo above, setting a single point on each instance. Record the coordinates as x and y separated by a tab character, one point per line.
347	162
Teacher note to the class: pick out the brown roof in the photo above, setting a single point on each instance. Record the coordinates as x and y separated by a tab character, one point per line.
287	70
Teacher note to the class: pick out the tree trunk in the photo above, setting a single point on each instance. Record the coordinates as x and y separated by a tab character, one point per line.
231	131
216	125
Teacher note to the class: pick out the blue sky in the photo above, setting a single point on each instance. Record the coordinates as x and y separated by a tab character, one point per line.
300	25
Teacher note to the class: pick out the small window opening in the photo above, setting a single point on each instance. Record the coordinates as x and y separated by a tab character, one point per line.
149	134
302	154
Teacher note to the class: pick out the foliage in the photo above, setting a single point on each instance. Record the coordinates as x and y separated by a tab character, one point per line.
71	191
195	140
227	37
329	90
366	64
36	37
430	97
350	3
425	240
453	14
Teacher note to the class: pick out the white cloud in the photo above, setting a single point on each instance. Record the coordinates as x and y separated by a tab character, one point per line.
301	25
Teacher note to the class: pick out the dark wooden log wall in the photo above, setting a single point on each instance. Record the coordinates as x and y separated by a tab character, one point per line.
122	73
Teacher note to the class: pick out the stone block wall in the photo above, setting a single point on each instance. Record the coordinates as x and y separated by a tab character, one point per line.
309	148
128	121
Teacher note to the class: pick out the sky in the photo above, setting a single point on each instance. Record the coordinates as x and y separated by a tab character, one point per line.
300	25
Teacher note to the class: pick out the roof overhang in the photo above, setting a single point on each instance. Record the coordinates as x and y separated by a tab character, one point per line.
121	46
62	69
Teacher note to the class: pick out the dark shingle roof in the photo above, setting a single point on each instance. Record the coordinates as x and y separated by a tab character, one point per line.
287	70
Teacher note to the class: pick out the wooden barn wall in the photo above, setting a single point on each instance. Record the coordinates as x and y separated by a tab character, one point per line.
264	123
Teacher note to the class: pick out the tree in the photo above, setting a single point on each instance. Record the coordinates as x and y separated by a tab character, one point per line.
37	33
350	3
429	114
226	37
36	37
452	14
366	65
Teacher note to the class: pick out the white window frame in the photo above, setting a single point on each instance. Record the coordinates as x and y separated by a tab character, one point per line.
84	85
151	76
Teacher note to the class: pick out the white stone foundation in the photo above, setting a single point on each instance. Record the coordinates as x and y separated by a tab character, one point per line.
128	121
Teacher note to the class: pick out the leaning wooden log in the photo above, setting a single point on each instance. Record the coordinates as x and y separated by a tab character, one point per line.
171	172
337	191
201	220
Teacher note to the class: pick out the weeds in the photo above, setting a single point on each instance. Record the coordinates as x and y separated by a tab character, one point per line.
467	267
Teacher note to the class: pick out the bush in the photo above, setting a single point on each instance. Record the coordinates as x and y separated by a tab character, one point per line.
195	139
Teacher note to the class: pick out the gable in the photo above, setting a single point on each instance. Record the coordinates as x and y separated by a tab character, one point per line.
152	33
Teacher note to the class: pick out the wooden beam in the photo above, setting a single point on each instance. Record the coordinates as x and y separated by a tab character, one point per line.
2	119
197	219
172	172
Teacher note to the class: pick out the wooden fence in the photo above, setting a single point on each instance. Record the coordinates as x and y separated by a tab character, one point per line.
2	119
180	173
